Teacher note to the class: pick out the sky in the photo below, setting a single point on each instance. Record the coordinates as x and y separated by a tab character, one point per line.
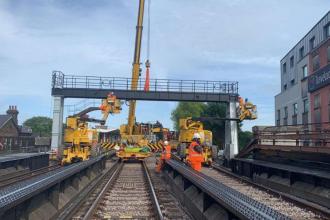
238	40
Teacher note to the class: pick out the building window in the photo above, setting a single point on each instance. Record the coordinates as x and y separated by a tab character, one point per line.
305	71
327	31
295	109
279	117
285	112
317	103
284	67
285	86
292	82
306	106
316	62
328	53
301	52
291	61
285	119
312	43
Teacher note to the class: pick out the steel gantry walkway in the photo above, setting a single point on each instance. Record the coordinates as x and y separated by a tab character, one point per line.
70	86
93	87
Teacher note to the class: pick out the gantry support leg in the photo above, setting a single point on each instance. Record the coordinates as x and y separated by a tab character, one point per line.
231	132
57	128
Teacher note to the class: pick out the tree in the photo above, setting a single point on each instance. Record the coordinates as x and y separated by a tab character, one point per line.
244	137
40	125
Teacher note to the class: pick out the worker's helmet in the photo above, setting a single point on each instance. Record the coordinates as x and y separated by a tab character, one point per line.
165	142
196	136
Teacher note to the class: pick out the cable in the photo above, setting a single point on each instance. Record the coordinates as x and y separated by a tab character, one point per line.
148	37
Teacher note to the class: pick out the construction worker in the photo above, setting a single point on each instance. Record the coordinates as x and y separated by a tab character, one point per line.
195	153
165	155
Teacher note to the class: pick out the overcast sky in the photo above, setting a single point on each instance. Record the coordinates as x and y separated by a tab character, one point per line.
241	40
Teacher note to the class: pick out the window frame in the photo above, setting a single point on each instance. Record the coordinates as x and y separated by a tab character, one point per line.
317	105
315	68
301	52
305	106
284	67
292	61
295	109
303	71
286	113
312	43
326	31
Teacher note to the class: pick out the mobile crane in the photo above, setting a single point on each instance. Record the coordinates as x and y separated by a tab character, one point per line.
132	137
78	137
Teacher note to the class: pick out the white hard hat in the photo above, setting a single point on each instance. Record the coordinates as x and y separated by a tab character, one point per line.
166	142
197	136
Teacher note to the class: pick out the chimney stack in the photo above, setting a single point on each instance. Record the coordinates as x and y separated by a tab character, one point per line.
12	111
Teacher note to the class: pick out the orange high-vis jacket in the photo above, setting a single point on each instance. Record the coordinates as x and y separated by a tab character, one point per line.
166	154
194	156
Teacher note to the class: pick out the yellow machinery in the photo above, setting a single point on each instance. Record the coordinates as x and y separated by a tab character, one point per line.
187	129
78	138
246	110
131	133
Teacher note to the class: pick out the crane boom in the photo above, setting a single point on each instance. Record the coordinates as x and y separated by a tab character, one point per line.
136	66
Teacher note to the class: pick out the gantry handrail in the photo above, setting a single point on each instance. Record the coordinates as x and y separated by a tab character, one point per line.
62	81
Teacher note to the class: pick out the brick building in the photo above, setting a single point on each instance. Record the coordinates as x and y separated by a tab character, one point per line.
319	80
305	79
13	137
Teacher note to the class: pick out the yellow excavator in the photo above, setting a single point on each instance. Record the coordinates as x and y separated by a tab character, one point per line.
79	139
134	142
188	126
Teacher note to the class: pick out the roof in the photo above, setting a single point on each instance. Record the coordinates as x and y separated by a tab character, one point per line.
25	129
4	119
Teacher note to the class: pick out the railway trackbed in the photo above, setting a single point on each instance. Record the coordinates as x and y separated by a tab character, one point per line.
278	202
127	191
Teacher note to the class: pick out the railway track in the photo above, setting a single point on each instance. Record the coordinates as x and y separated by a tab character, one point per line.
275	201
128	190
24	175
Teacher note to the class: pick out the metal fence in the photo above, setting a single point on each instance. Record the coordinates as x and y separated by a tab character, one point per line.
309	135
60	80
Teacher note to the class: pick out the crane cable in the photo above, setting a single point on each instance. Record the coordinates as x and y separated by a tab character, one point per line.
148	34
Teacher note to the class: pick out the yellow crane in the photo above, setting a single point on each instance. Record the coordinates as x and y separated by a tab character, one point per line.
136	67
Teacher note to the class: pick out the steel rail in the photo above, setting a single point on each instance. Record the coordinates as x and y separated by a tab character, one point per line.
235	202
300	202
16	193
91	210
153	193
69	211
21	176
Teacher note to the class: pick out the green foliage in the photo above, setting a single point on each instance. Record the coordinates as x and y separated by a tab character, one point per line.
40	125
244	137
186	109
218	110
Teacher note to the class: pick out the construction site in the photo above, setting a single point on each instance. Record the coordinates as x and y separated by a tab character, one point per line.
200	168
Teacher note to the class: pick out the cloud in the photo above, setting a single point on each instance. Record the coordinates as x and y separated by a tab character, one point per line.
237	40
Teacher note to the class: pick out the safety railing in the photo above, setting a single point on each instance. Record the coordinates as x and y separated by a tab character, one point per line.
304	135
60	81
